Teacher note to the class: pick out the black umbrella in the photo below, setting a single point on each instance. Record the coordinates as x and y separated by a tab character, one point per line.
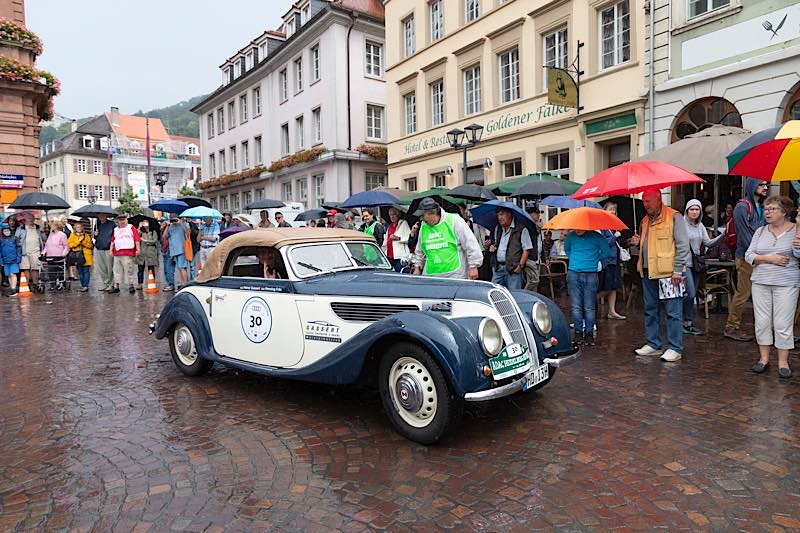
194	201
92	210
472	193
445	204
331	205
154	225
537	189
311	214
39	200
265	203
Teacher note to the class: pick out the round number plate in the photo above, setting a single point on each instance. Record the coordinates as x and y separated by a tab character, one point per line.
256	320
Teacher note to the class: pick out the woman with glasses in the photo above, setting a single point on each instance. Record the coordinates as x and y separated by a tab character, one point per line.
773	252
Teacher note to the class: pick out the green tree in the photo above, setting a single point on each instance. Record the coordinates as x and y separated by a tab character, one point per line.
187	191
128	203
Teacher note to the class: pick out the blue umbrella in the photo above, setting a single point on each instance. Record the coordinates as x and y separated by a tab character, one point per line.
565	202
201	211
369	199
170	206
486	215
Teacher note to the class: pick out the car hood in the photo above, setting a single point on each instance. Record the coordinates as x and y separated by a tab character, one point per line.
392	285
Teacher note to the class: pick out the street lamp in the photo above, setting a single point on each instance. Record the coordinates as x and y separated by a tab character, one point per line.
92	199
161	179
464	140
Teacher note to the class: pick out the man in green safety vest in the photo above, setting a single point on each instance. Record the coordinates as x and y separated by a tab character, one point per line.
372	227
447	248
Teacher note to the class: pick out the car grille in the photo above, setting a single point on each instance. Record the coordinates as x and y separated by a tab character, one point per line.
364	312
508	311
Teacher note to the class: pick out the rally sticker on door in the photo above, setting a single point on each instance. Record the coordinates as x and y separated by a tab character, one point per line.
256	320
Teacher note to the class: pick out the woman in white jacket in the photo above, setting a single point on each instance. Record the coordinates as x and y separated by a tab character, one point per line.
396	242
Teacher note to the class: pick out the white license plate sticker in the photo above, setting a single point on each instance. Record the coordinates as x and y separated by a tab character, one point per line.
536	376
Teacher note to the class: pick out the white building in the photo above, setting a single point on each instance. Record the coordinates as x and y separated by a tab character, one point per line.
312	91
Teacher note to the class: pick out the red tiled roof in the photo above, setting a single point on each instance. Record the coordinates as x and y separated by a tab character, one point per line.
182	138
134	127
373	8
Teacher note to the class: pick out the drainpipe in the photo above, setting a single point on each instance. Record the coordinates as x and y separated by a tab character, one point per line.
353	17
652	89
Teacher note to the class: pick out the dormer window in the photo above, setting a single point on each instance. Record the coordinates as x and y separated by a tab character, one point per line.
226	76
262	52
236	70
250	59
88	142
305	14
104	143
135	146
242	65
191	149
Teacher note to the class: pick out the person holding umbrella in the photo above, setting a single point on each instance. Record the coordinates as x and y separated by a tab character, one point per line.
446	247
209	238
31	245
664	246
511	246
102	251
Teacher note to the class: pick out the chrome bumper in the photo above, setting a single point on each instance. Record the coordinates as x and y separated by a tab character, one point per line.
516	386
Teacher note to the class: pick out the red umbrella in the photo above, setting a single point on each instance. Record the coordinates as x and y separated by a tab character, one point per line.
634	177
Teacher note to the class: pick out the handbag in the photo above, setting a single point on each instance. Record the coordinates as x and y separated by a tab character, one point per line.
698	262
187	247
624	254
76	257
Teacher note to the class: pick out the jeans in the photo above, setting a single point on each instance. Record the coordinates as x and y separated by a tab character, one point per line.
169	270
652	317
192	270
140	273
583	300
507	279
84	272
395	264
689	299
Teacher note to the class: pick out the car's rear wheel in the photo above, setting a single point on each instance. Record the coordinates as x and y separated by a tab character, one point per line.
420	403
184	352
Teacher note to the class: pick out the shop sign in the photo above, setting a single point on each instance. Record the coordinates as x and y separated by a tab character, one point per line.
613	123
561	88
11	181
500	124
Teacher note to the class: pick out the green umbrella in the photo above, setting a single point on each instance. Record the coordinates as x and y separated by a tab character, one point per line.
509	186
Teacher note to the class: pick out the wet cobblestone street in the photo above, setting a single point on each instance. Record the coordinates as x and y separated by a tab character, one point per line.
98	430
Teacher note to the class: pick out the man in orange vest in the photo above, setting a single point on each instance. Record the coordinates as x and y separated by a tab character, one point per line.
664	247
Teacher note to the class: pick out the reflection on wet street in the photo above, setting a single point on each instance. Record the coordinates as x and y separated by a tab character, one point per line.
99	430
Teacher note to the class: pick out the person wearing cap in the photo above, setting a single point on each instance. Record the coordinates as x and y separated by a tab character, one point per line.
446	247
532	267
124	248
103	260
372	227
177	234
330	218
265	221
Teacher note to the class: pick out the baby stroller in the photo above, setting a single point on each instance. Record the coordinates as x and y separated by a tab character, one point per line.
53	275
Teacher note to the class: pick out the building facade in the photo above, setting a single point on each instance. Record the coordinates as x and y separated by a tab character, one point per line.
731	62
452	63
25	99
97	160
295	106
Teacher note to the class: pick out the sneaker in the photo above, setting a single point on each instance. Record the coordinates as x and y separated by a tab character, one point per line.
84	289
671	356
589	339
12	293
691	330
168	289
115	290
131	289
737	335
648	350
139	287
785	372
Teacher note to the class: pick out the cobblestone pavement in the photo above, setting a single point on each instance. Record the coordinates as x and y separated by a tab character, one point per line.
99	430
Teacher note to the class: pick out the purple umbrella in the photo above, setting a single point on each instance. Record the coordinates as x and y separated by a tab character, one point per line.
232	231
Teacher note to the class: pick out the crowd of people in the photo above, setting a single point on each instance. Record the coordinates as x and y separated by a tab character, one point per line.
669	253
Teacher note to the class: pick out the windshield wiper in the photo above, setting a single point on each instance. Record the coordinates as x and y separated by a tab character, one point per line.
359	262
309	266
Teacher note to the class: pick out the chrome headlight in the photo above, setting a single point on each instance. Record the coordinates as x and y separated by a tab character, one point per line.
490	336
540	315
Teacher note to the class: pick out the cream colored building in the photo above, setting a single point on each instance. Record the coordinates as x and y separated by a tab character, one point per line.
452	63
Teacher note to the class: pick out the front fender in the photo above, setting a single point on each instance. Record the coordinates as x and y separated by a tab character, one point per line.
560	329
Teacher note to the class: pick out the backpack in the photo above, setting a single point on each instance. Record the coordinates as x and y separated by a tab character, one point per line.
730	227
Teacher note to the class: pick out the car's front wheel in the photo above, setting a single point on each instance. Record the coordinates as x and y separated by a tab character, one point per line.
415	393
184	352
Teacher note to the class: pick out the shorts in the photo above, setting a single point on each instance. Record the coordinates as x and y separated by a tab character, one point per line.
10	269
180	261
30	262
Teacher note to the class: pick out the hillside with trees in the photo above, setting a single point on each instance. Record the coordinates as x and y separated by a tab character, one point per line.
176	118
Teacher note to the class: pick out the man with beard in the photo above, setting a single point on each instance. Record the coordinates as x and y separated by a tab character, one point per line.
748	216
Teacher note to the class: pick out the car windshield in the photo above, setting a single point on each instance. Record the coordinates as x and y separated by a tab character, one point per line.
317	258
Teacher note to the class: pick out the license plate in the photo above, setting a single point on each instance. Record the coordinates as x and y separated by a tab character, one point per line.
512	360
536	376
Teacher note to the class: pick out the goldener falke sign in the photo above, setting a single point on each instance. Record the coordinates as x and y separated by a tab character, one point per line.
504	122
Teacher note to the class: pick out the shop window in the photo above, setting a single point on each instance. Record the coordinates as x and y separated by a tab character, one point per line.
704	113
618	153
557	164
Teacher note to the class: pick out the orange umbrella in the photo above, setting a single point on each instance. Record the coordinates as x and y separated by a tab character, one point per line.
585	218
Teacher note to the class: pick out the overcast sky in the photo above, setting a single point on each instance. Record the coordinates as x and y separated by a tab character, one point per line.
144	54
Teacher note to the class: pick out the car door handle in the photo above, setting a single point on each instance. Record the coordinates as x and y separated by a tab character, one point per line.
219	297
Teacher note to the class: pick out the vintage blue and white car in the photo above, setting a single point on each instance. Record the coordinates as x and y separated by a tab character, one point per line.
324	305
